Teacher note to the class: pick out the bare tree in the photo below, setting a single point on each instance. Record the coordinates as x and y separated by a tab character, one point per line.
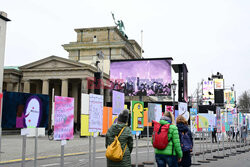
244	101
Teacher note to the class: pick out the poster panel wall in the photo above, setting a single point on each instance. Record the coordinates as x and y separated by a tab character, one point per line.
22	110
169	109
137	108
248	121
85	126
208	92
193	121
107	119
145	121
223	121
204	120
142	77
155	112
117	102
218	118
64	118
182	107
229	99
85	104
95	113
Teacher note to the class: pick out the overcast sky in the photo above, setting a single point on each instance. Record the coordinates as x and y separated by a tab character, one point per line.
207	35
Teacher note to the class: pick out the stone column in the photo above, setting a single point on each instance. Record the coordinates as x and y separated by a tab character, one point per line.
75	96
84	86
64	88
16	87
26	86
10	87
45	89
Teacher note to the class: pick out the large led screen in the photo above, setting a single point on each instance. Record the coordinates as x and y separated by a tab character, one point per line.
146	77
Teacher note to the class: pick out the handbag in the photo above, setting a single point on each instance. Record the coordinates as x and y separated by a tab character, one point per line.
114	151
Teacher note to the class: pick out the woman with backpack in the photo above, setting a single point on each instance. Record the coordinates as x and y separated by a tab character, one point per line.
125	138
186	140
172	153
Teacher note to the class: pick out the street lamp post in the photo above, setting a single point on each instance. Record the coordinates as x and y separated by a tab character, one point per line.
173	86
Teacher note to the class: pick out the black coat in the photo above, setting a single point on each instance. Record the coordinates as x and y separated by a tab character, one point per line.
186	159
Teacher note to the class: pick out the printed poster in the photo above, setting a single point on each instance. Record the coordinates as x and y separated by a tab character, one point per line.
95	113
114	119
248	120
64	118
182	107
223	122
176	114
204	120
22	110
230	118
137	108
117	102
169	109
85	104
229	99
193	121
218	118
85	126
155	112
107	119
145	121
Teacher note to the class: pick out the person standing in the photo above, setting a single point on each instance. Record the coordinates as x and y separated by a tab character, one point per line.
186	140
214	138
172	153
125	138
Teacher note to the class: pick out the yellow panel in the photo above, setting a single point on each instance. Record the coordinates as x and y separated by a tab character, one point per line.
85	126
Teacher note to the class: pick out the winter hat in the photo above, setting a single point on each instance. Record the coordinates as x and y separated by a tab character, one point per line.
123	116
165	118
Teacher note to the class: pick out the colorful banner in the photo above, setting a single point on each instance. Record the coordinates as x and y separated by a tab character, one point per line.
229	99
218	118
64	118
95	113
229	118
145	120
155	112
114	119
21	110
117	102
182	108
248	121
223	121
204	120
85	126
240	120
176	114
85	104
208	92
169	109
137	108
193	121
218	84
107	119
